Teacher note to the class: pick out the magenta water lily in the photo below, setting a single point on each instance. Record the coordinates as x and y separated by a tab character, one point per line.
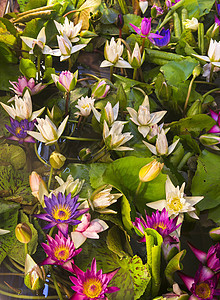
92	284
61	211
19	131
23	83
216	117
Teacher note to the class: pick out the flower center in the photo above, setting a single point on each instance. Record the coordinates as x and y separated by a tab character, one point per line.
203	290
159	225
62	213
61	253
18	130
92	287
175	204
85	106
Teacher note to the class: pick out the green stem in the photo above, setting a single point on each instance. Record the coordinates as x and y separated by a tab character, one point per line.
111	72
138	189
67	103
51	231
209	92
50	177
38	156
16	265
91	75
188	94
56	284
26	249
9	267
79	139
70	63
38	67
142	46
211	72
57	147
184	160
135	74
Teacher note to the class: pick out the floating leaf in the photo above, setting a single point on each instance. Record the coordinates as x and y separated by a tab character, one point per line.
198	8
27	68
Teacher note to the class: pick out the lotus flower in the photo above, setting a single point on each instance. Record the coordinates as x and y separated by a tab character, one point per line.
203	285
85	105
87	229
109	113
92	284
66	81
60	251
61	211
216	117
23	108
19	87
158	221
69	29
213	53
164	41
48	134
19	131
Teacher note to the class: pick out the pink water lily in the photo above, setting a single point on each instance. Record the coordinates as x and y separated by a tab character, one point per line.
19	87
216	117
66	81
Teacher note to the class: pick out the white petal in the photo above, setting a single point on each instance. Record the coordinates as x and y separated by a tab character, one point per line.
172	147
133	115
160	204
28	41
157	116
77	48
36	113
144	130
37	136
193	200
202	57
152	148
96	113
105	64
10	110
121	63
62	126
78	238
193	215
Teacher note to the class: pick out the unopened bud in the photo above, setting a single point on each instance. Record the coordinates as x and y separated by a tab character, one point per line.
34	275
57	160
35	180
196	71
195	109
100	89
120	21
85	154
48	61
150	171
209	139
215	234
23	233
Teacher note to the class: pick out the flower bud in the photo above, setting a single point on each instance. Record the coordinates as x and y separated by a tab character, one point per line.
209	139
57	160
34	275
23	233
135	59
48	61
150	171
35	180
196	71
195	109
120	21
55	115
85	154
215	234
100	89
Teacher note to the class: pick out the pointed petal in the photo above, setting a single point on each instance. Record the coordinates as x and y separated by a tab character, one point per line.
63	227
77	48
188	281
172	147
201	256
160	204
214	115
111	274
62	126
78	238
157	116
136	29
36	113
205	58
193	200
121	63
144	130
37	136
96	113
193	215
152	148
28	41
105	64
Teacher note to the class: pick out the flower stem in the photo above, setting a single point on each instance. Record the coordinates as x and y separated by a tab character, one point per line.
50	177
70	63
57	147
188	94
135	74
56	284
211	72
79	139
142	47
38	67
209	92
67	103
138	189
111	72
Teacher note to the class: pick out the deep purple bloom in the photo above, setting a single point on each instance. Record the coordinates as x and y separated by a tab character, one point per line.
145	30
216	117
92	284
203	286
61	211
158	221
18	87
211	259
165	38
218	8
19	131
60	251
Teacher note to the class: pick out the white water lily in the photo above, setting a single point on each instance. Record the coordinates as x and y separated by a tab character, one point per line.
191	24
176	202
40	41
114	138
143	118
4	231
213	53
112	53
48	134
134	58
69	29
161	145
23	108
109	113
66	48
85	105
69	186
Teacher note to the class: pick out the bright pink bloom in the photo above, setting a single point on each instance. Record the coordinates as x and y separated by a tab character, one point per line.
66	81
92	285
216	117
19	87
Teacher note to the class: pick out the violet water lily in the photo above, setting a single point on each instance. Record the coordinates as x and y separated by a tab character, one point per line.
92	284
60	251
23	83
61	211
165	38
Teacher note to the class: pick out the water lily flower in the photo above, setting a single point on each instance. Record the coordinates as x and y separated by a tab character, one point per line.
158	9
213	53
114	138
60	251
48	134
170	3
176	203
191	24
40	42
211	259
216	117
87	229
35	276
143	118
135	59
22	109
109	113
165	38
85	105
66	48
100	90
69	29
161	145
112	53
20	86
207	70
92	284
69	186
19	131
203	285
61	211
143	5
144	32
158	221
66	81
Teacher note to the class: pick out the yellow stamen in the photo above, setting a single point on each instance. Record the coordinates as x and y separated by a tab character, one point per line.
61	252
203	290
160	225
175	204
85	106
92	287
62	213
18	130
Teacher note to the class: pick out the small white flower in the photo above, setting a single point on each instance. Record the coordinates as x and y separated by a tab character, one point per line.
213	53
135	59
191	24
110	113
176	203
69	29
69	186
85	105
23	108
207	70
48	134
143	118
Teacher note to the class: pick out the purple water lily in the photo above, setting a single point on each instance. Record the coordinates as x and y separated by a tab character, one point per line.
164	41
61	211
216	117
158	221
145	29
203	286
217	8
19	131
217	21
18	87
92	284
60	251
211	259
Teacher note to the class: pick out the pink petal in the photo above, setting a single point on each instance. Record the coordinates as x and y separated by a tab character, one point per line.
214	115
188	281
138	30
110	275
198	253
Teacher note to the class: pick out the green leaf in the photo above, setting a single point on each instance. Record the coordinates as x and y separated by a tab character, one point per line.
126	214
5	36
31	4
14	155
198	8
174	265
214	214
7	56
206	180
4	117
8	220
27	68
8	72
17	253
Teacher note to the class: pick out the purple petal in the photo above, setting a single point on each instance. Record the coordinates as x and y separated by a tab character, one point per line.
198	253
188	281
110	275
215	129
48	261
63	227
136	29
214	115
204	274
112	289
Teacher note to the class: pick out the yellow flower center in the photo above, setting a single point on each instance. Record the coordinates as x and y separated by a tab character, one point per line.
18	130
92	287
159	225
85	106
61	252
203	290
61	212
175	204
